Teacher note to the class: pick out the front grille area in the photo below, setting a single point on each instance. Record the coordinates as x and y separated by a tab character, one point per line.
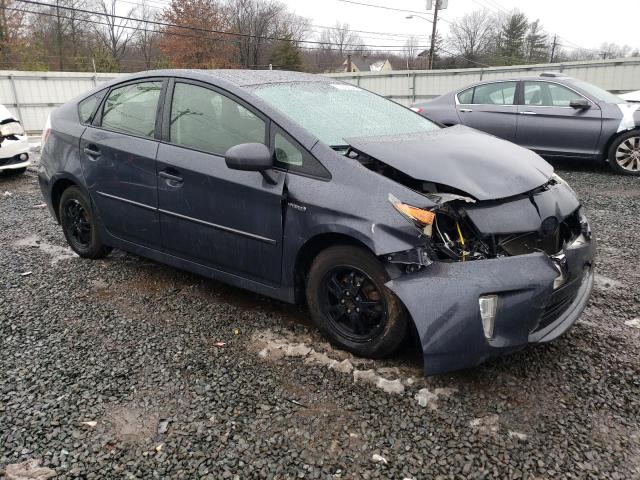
10	161
559	302
550	243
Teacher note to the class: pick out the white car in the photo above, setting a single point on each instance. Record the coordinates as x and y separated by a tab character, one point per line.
14	146
633	97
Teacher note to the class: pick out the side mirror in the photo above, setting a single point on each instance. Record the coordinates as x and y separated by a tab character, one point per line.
252	157
580	103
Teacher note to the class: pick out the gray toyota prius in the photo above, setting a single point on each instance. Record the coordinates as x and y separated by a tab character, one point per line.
553	115
307	189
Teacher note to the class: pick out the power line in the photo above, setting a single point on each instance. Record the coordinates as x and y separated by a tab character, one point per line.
391	48
198	29
371	5
362	4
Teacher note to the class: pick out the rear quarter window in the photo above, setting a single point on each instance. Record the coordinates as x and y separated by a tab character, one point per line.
87	108
466	96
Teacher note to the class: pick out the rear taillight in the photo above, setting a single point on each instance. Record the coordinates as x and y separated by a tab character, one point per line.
417	109
46	131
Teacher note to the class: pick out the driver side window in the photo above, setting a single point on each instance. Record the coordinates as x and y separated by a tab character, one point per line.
205	120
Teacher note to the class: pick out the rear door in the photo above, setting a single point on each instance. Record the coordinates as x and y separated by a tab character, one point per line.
118	154
549	125
490	107
227	219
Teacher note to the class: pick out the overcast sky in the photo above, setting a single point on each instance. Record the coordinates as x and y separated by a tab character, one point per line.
584	23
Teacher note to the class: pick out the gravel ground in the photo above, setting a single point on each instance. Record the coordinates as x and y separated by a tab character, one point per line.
124	368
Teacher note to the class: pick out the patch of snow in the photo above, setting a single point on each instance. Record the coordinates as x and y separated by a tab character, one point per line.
518	435
56	252
488	424
427	398
389	379
344	366
634	323
379	459
28	470
390	386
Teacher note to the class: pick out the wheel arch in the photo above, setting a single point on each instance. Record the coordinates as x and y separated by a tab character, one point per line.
58	186
310	250
613	138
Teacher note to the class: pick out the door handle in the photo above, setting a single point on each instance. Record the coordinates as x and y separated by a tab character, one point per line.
92	151
528	113
173	179
466	110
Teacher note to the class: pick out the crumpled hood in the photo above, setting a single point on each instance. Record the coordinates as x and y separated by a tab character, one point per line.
481	165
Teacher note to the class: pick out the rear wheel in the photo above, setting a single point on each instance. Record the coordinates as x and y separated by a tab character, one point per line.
79	224
624	153
351	305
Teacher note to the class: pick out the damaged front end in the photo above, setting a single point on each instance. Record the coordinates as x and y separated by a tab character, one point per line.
493	275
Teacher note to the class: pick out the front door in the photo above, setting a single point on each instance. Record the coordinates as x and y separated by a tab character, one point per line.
118	162
550	126
223	218
490	107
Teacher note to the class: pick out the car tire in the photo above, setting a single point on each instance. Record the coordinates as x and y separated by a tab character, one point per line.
624	153
79	224
343	279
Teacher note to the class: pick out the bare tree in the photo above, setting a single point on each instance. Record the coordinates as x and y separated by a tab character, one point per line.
613	50
411	50
255	19
117	32
473	35
61	29
147	36
11	26
342	39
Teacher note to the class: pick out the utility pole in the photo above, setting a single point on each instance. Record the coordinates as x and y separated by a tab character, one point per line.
59	35
553	47
349	62
433	33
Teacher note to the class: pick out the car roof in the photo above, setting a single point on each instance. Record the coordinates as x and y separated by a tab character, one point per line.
544	78
237	77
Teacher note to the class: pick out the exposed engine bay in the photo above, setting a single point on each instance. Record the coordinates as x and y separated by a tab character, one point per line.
546	219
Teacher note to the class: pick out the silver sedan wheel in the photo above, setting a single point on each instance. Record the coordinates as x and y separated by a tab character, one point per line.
628	154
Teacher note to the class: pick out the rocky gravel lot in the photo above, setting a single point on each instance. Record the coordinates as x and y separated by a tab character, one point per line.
124	368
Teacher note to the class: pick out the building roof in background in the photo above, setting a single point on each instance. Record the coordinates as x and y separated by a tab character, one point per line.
377	66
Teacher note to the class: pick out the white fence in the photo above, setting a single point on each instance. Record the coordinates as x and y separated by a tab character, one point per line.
406	87
32	95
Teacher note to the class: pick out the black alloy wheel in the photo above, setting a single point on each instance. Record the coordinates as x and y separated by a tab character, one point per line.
79	224
353	304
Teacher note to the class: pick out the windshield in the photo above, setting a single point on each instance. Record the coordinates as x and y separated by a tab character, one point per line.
334	112
598	92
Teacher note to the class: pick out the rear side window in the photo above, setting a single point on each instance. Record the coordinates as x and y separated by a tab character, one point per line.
546	94
132	108
205	120
87	107
501	93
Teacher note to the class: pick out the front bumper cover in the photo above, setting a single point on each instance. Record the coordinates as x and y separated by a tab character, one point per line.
11	149
443	302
